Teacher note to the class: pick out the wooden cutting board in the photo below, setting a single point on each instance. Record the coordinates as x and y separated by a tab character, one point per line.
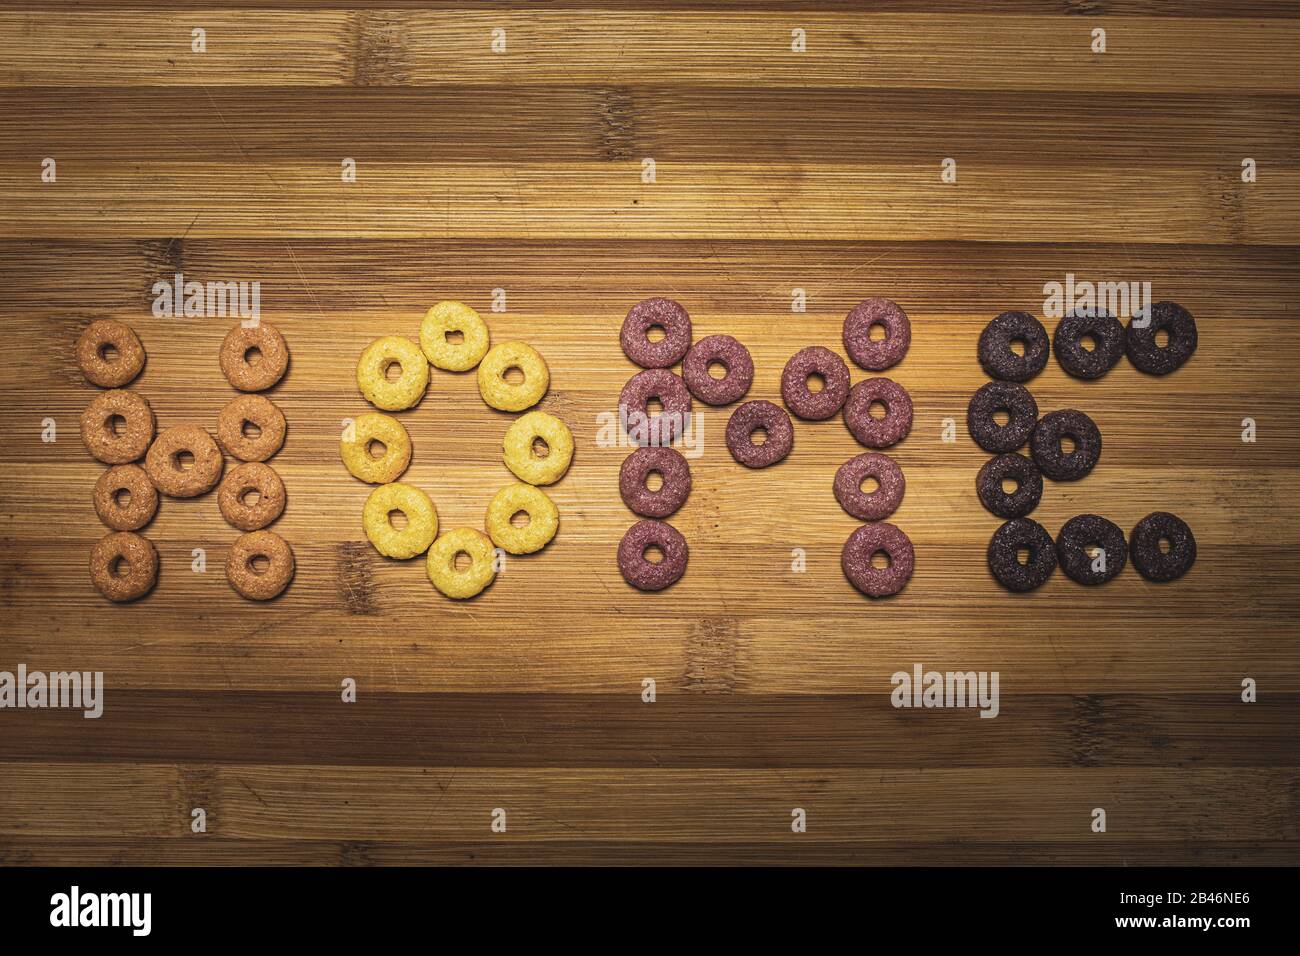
777	175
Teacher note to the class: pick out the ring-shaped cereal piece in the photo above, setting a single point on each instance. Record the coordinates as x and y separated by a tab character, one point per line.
247	577
421	520
1107	335
508	396
638	570
981	416
354	448
167	470
123	566
543	519
1004	555
642	426
1082	541
1147	354
450	318
241	482
102	439
520	454
868	353
878	432
821	362
749	419
1049	455
1154	562
237	349
109	353
671	466
1015	468
997	357
461	583
735	361
870	505
141	498
259	412
372	373
658	313
863	544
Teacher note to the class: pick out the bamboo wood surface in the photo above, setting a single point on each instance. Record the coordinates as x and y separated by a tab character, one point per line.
774	171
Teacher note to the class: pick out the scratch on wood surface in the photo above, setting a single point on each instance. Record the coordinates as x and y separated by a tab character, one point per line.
256	796
712	656
354	577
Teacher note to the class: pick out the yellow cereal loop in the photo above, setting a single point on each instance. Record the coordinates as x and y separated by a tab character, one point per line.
543	519
467	582
390	440
446	320
521	455
372	373
421	520
500	393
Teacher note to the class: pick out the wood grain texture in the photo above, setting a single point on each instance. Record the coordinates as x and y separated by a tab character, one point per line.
612	124
689	201
774	172
1288	9
435	47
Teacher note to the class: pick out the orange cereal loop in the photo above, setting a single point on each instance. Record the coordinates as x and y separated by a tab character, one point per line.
251	428
123	566
253	358
251	496
125	498
184	462
109	353
117	427
260	565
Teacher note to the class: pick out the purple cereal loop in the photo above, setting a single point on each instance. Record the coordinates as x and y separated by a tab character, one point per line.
643	428
855	559
674	469
669	316
876	505
878	432
999	360
1045	444
749	418
1077	541
647	575
889	351
1107	333
1152	562
1143	350
1022	415
807	404
1028	479
1004	555
733	356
